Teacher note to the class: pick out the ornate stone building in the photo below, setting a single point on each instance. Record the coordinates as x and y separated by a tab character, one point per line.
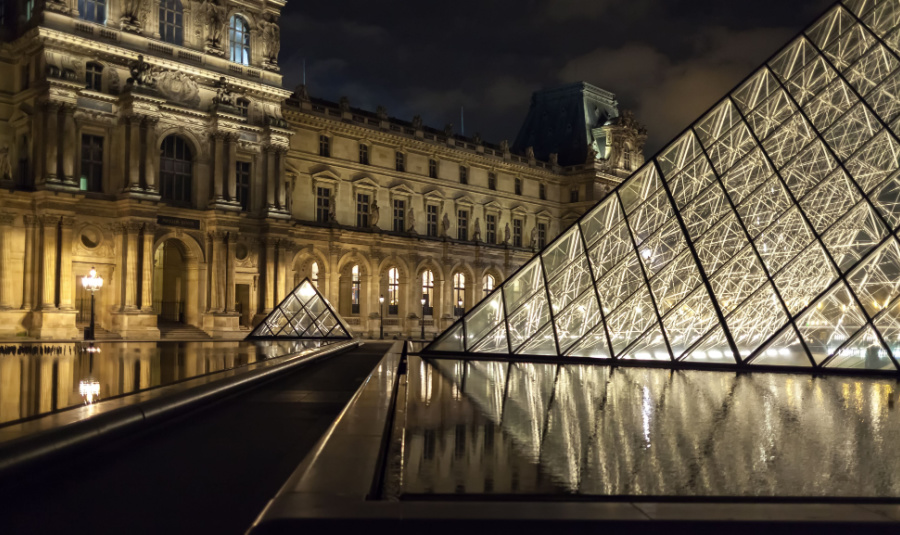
152	140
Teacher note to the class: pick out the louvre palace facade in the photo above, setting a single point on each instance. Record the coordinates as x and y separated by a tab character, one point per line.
153	141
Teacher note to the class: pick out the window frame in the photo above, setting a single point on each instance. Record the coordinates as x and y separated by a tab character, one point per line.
517	187
432	168
171	32
355	286
428	292
363	202
363	154
323	208
170	180
518	231
431	223
400	162
243	177
459	293
93	76
490	228
492	180
462	224
393	291
463	175
94	6
324	146
91	168
239	50
398	217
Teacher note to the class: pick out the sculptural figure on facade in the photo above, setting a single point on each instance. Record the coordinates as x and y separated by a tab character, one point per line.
554	159
477	235
344	104
504	146
506	235
140	72
446	222
411	218
448	130
224	96
529	153
5	165
374	214
533	243
476	139
270	34
417	122
381	112
332	208
213	16
591	155
132	12
302	93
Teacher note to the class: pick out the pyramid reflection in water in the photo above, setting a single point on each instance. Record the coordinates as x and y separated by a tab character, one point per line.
763	235
304	313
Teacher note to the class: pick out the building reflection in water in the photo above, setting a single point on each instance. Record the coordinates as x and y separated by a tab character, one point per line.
497	427
41	378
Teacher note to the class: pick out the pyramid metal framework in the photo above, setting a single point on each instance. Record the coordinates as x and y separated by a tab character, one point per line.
303	314
764	235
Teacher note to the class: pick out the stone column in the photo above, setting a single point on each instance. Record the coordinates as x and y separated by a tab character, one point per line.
151	157
269	283
6	275
131	273
231	172
147	268
280	275
69	146
38	160
28	267
230	241
270	177
218	166
134	153
279	178
66	290
49	230
51	143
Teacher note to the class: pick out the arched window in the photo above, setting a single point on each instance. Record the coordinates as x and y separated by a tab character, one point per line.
314	274
428	291
459	293
171	21
92	10
175	170
488	284
354	290
393	291
239	40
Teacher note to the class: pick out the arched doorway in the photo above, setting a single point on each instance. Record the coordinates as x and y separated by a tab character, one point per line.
170	284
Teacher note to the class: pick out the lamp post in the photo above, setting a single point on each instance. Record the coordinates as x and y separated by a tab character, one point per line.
91	283
423	318
459	307
381	316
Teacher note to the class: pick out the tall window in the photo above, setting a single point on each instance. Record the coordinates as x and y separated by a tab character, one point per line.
362	210
428	291
363	154
239	40
488	285
432	168
492	181
93	76
517	232
463	174
399	215
518	186
573	195
354	290
542	235
171	21
542	191
29	9
89	10
400	162
243	107
459	294
490	231
393	291
91	163
242	176
462	224
175	170
324	146
323	204
431	220
314	274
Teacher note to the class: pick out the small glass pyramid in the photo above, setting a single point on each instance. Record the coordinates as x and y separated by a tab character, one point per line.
303	314
764	235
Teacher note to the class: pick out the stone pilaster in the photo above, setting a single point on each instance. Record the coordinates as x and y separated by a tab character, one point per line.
152	154
69	146
51	143
270	179
280	177
133	134
66	290
269	282
147	269
231	172
230	242
49	233
218	167
28	264
6	268
131	273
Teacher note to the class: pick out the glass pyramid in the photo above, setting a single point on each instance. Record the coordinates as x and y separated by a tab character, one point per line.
303	314
764	235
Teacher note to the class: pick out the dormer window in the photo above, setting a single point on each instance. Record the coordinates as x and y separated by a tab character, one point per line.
171	21
92	10
93	76
239	40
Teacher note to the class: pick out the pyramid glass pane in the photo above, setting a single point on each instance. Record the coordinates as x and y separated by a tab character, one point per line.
303	313
764	228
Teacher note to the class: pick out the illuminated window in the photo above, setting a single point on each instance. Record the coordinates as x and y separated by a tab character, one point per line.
459	294
488	286
314	274
393	291
428	291
90	10
354	290
29	9
239	40
171	21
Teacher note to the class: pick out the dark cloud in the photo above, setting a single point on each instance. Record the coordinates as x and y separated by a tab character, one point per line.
667	59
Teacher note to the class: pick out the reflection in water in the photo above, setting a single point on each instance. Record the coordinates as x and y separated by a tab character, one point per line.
41	378
599	430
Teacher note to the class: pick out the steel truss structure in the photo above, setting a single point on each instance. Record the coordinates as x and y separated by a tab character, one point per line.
303	314
764	235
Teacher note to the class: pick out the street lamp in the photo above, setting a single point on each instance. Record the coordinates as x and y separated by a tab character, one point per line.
459	307
91	283
381	316
423	317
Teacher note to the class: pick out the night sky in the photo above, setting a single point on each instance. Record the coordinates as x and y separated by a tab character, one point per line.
668	60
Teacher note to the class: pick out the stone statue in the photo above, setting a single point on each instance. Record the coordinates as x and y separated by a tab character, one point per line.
270	34
529	153
477	139
332	208
302	93
381	111
554	159
213	16
591	155
533	243
417	122
373	214
477	234
504	146
344	104
411	219
506	235
446	225
448	129
223	96
131	14
5	166
140	72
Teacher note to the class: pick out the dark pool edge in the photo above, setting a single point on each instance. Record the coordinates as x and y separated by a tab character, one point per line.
22	453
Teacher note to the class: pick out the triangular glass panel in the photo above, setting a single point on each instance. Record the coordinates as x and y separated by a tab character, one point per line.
877	280
495	342
713	349
484	318
602	219
887	199
863	351
678	155
576	320
451	340
651	346
690	320
562	252
570	283
522	285
830	322
594	345
302	314
542	343
528	320
888	324
756	320
784	350
854	236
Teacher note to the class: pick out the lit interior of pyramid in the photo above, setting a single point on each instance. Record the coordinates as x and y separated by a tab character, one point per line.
763	235
304	313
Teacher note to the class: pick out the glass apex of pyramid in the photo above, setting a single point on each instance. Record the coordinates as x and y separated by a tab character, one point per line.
303	314
764	236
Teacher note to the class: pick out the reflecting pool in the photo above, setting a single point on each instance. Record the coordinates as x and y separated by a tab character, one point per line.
484	427
41	378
